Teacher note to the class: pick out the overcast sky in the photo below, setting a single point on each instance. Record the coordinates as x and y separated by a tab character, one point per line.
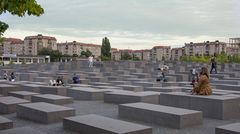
132	24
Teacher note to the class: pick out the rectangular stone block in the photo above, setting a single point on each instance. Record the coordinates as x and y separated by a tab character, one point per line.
97	79
83	93
44	112
161	115
131	88
146	84
23	94
120	83
42	79
54	99
164	89
122	97
57	90
99	84
5	89
21	130
30	87
213	106
228	129
5	123
8	104
94	124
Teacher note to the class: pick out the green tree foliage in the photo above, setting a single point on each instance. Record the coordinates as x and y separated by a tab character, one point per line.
55	55
19	8
105	49
126	56
86	54
135	58
75	55
220	58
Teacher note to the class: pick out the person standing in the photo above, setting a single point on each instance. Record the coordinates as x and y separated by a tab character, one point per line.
213	65
90	60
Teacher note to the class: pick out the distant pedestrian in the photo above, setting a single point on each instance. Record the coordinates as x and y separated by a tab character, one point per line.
213	65
5	75
194	75
12	77
90	60
76	79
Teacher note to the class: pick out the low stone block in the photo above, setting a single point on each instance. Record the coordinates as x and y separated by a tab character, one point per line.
8	104
43	112
164	89
228	129
131	88
120	83
82	93
30	87
161	115
99	84
5	89
21	130
5	123
57	90
23	94
213	106
145	84
50	98
122	97
94	124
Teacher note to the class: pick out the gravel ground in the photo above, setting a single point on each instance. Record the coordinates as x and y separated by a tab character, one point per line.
111	110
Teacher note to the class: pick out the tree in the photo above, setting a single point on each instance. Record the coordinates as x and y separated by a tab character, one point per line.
55	55
126	56
86	54
19	8
105	49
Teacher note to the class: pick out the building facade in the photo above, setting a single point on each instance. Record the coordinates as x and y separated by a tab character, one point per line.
233	46
205	48
71	48
32	44
12	46
161	53
176	53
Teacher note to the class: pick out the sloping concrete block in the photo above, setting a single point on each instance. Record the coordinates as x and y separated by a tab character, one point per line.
94	124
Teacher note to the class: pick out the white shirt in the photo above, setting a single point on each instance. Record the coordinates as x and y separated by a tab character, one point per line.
90	59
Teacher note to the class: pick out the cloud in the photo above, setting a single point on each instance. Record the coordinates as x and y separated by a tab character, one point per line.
170	22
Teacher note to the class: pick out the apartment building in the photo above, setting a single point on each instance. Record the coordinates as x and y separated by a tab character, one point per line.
12	46
70	48
160	53
176	53
146	55
233	46
32	44
205	48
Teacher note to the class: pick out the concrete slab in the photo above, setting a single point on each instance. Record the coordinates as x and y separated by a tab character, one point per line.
94	124
43	112
5	89
164	89
8	104
82	93
122	97
213	106
57	90
5	123
131	88
21	130
54	99
23	94
161	115
228	129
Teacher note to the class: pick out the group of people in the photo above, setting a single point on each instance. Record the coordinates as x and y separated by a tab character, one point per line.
57	82
200	81
10	77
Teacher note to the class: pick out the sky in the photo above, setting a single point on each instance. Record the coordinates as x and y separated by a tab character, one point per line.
131	24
